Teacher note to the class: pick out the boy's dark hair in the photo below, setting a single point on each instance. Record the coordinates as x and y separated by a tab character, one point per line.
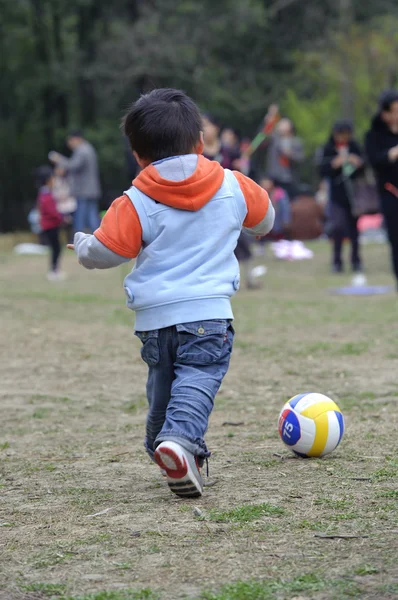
42	175
162	123
343	126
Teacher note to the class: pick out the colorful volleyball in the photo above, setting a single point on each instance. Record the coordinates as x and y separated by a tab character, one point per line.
311	424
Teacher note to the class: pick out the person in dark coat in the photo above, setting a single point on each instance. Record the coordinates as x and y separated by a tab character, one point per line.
341	163
382	151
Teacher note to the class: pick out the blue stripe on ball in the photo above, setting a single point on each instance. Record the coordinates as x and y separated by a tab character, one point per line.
341	423
297	399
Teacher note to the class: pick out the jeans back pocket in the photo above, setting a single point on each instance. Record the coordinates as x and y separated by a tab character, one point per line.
202	342
150	351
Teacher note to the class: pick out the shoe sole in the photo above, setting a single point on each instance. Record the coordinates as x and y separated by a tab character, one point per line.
180	478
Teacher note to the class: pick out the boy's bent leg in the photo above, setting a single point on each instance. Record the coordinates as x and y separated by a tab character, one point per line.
202	360
157	352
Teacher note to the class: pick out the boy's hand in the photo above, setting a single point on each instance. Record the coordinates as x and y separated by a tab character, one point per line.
72	247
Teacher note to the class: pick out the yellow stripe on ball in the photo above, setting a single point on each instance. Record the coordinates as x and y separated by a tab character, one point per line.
321	434
313	411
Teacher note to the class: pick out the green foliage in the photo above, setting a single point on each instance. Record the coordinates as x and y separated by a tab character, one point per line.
366	570
57	591
365	56
309	583
48	590
145	594
82	62
246	513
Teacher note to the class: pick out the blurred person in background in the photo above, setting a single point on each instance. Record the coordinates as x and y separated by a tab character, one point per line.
244	255
222	148
341	163
245	164
281	204
225	150
50	219
230	149
211	134
66	203
285	152
382	151
83	173
132	165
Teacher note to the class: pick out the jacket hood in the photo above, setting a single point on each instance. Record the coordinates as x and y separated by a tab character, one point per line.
186	182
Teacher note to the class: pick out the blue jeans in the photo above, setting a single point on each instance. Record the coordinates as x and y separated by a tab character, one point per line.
86	216
187	364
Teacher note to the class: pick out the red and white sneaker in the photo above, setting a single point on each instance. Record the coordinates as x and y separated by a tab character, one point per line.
182	469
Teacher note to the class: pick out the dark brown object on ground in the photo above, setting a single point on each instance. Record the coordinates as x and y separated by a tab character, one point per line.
307	219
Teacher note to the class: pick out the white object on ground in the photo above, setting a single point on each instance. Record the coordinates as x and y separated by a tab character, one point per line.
291	250
359	280
258	271
101	512
33	249
56	276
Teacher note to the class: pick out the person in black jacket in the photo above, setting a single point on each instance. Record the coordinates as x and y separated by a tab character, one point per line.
340	163
382	151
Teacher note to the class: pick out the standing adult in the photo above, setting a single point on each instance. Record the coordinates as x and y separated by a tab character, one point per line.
285	152
83	174
341	163
382	151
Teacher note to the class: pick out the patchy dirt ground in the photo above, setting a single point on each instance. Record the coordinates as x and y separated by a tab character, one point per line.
82	510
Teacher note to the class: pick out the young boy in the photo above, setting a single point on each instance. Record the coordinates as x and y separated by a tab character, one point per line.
181	220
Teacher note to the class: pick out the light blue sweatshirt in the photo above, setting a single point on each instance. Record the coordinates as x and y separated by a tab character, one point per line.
190	214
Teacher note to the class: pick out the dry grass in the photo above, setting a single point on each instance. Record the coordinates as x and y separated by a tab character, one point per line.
72	419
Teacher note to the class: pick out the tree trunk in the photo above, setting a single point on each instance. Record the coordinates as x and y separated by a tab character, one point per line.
61	100
43	55
89	16
346	90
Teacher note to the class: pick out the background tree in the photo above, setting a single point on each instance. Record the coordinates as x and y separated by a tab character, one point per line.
81	62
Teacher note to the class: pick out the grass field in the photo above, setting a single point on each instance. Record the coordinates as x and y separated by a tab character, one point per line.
84	515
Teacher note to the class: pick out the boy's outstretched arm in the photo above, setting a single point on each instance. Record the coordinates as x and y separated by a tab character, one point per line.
92	254
260	215
116	241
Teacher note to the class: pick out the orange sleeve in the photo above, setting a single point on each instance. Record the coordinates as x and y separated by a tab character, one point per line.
257	200
120	229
